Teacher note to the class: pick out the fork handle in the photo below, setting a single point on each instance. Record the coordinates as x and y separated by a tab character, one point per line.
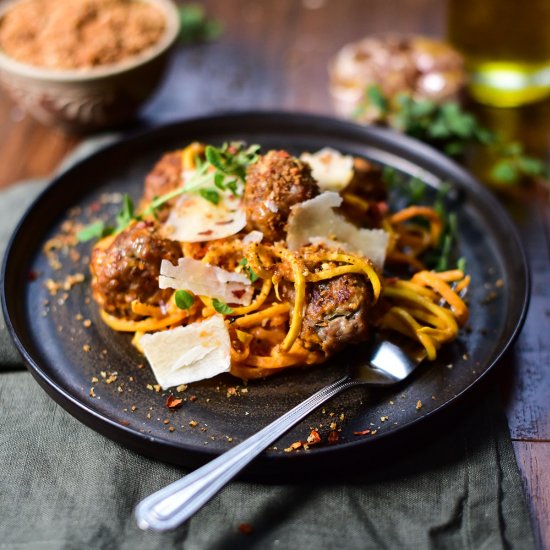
177	502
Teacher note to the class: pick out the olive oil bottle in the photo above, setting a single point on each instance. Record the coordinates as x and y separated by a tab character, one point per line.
506	45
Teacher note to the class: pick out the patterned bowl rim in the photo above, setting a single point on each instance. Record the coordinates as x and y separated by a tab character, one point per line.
171	15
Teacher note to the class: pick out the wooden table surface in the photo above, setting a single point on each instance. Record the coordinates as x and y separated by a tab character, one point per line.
274	55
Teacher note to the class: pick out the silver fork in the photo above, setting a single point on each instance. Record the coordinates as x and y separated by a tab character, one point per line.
169	507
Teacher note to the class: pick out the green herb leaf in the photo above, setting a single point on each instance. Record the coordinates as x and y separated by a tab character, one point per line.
461	264
375	96
504	171
389	176
249	271
221	307
195	25
184	299
95	230
126	215
417	190
211	195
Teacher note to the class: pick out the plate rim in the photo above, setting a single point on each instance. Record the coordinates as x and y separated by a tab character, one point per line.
161	449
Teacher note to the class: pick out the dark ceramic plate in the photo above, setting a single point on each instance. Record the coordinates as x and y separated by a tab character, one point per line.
50	333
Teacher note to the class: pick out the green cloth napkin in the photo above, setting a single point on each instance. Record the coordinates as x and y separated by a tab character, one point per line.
63	486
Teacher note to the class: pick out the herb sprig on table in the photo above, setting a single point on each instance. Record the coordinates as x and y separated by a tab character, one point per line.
196	26
450	128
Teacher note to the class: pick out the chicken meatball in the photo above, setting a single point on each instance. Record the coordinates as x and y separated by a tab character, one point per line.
337	313
274	184
129	268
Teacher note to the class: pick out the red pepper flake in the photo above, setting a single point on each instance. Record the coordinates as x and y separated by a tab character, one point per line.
313	437
226	222
32	275
207	232
363	432
125	422
333	437
238	293
382	207
246	529
173	402
95	207
294	446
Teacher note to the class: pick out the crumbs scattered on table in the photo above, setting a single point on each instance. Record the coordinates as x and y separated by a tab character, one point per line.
193	423
418	405
86	348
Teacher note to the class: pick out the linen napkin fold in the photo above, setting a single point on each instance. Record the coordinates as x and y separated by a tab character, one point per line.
63	486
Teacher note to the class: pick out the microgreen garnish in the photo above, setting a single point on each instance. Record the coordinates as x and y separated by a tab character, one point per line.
211	195
221	307
452	129
126	215
184	299
195	26
461	264
223	168
95	230
249	271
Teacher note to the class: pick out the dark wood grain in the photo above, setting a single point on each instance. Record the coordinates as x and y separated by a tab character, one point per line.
275	55
533	460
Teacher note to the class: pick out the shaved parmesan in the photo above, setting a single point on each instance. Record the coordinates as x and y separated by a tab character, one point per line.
206	280
253	237
194	219
332	170
187	354
315	219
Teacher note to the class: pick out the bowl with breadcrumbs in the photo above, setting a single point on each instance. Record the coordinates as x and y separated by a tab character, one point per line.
85	65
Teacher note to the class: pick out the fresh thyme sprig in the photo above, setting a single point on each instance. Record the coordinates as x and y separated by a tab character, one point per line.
195	26
450	128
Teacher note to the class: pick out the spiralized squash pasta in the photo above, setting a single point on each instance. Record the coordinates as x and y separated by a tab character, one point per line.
267	334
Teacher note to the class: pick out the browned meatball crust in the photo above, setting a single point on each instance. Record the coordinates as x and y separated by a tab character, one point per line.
337	313
164	177
274	184
129	268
